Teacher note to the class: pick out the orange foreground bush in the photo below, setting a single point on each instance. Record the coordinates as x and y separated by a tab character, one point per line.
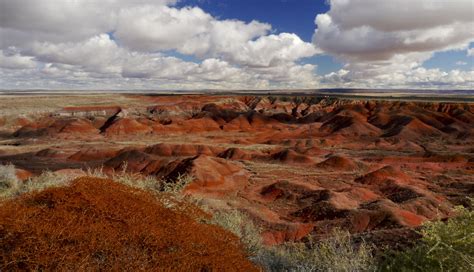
97	224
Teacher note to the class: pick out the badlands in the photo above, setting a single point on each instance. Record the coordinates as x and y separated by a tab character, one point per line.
296	165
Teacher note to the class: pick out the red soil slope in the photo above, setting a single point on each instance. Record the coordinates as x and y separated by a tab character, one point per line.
97	224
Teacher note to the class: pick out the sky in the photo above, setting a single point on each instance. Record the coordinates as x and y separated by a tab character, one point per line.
236	44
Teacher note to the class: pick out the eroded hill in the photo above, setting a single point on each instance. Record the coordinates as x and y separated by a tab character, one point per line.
295	165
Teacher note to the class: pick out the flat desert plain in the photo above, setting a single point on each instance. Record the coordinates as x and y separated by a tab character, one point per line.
296	165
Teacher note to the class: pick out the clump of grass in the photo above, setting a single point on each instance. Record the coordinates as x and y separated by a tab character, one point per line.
192	112
136	180
337	253
444	246
167	192
47	179
9	183
242	226
10	186
147	183
178	185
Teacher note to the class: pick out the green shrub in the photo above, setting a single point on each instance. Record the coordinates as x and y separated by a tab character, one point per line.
147	183
242	226
9	183
445	246
47	179
337	253
178	185
136	180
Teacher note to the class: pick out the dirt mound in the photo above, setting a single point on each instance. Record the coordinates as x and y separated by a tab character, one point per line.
339	163
92	154
410	129
127	126
380	119
395	215
258	120
398	193
32	129
291	156
130	160
225	112
310	151
63	127
168	150
365	220
240	154
240	123
381	175
97	224
200	125
285	190
210	175
79	126
349	126
53	153
322	210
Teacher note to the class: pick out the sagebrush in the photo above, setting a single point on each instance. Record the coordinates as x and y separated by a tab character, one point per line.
336	253
444	246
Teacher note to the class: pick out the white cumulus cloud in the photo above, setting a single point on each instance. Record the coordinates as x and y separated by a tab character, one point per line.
15	61
470	52
153	44
386	42
142	44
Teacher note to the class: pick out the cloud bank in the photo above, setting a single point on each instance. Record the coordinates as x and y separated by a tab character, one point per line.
135	44
153	44
384	43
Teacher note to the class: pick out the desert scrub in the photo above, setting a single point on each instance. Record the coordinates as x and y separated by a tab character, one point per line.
337	253
10	186
100	225
46	180
444	246
178	185
169	193
9	183
147	183
242	226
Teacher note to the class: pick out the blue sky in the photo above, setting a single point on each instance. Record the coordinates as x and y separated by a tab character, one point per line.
292	16
451	60
229	44
297	16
